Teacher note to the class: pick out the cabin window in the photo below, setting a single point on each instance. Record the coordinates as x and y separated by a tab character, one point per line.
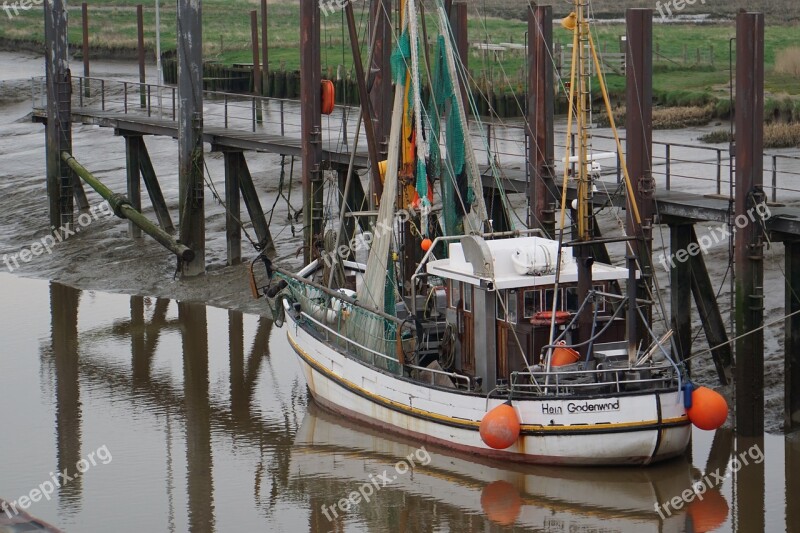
600	302
455	293
507	306
512	307
571	297
467	297
548	300
532	302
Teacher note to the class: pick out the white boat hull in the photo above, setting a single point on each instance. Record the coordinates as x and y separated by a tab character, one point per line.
628	429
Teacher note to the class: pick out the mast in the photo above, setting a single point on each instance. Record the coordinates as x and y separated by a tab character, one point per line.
583	213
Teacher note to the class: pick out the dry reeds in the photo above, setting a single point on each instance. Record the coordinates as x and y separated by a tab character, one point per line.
787	61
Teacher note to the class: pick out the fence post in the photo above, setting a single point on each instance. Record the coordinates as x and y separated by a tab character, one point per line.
719	171
125	90
103	95
669	175
225	99
282	122
774	178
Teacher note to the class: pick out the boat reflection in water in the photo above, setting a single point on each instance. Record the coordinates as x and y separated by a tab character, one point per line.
334	460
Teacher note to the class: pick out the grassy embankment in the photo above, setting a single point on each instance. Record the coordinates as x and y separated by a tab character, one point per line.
691	64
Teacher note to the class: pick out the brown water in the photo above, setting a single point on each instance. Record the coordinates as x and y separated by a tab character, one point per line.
194	418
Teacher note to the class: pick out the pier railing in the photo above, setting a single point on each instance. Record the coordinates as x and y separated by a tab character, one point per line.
687	167
239	112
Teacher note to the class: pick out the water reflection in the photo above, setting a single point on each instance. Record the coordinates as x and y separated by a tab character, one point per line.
212	432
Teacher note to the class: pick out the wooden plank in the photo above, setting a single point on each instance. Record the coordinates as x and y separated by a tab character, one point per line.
253	204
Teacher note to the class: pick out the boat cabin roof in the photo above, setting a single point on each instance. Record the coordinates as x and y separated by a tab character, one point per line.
489	263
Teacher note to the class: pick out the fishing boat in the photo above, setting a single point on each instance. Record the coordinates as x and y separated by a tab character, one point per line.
502	342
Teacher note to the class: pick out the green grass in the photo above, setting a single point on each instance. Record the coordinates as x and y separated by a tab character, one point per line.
226	34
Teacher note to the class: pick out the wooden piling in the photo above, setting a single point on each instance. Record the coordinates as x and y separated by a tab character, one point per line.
458	22
680	286
792	338
749	239
311	126
140	50
134	180
256	60
233	229
85	50
540	120
639	149
190	135
59	114
264	49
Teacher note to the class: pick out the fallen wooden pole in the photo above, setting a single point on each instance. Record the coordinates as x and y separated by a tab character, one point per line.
122	208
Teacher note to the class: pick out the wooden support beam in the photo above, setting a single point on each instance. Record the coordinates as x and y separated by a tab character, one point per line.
190	135
154	189
134	181
253	204
85	50
680	281
233	229
792	338
713	324
264	48
749	246
540	119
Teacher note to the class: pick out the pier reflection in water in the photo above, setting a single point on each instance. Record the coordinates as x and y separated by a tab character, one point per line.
207	419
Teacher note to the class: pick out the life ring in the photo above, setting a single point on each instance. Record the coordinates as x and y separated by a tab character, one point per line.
328	97
543	318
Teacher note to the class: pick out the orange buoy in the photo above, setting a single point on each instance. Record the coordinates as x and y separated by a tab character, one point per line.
709	409
328	97
501	503
564	356
542	318
500	427
709	513
426	244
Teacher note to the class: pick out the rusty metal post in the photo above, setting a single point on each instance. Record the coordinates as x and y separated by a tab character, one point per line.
85	24
311	124
190	134
140	50
264	48
380	76
749	250
639	149
59	114
792	338
256	60
540	119
458	21
366	111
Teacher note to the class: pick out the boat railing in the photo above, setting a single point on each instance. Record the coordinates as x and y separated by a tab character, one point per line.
350	344
452	375
617	378
391	362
